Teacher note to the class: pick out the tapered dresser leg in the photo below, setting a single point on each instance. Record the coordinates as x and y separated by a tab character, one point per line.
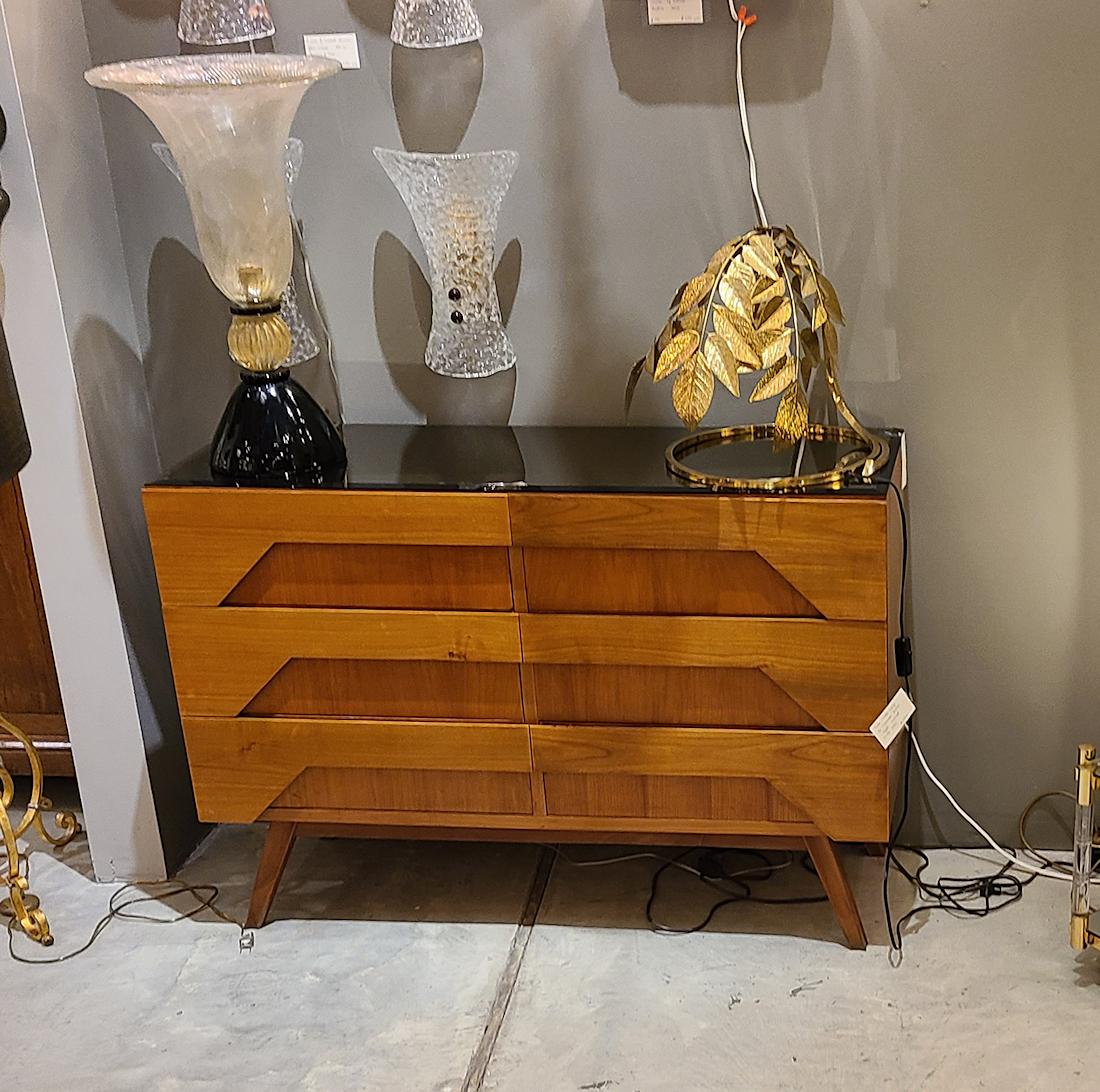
831	873
273	859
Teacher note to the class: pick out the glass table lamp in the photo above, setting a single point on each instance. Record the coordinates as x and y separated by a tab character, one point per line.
303	341
429	24
226	118
224	22
454	201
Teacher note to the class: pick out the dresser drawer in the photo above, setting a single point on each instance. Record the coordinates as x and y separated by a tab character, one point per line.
330	548
769	672
746	780
241	768
271	661
804	556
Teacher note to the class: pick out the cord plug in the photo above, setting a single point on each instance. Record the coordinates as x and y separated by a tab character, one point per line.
903	656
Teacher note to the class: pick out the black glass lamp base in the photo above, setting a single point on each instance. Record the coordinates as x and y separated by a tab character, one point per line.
274	433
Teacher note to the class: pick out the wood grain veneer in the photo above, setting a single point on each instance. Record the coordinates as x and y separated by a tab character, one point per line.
530	665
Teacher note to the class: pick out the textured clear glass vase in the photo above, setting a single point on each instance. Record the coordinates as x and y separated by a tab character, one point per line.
304	345
226	118
428	24
454	201
224	22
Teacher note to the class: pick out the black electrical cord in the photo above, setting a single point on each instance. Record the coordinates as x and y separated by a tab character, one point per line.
964	896
205	896
712	870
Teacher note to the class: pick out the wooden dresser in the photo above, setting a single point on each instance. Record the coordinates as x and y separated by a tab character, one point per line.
579	650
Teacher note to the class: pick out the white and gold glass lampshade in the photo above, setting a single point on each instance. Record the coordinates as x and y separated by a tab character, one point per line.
226	119
224	22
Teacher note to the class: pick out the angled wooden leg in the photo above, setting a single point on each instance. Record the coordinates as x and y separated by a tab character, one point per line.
831	873
273	859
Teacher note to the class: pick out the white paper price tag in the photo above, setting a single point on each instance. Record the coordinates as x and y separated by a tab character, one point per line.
893	718
337	47
675	11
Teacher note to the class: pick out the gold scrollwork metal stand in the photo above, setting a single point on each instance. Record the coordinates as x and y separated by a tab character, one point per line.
20	905
1084	838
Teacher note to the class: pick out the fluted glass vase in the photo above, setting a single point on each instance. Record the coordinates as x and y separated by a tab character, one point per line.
224	22
429	24
454	201
226	117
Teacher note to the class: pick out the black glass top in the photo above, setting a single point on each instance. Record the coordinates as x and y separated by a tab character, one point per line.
552	459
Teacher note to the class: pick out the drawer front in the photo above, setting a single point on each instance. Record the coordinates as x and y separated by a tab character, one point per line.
740	671
266	661
307	574
822	557
241	768
332	548
762	780
609	581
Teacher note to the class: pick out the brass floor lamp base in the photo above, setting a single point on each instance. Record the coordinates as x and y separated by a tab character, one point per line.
21	907
1084	841
870	454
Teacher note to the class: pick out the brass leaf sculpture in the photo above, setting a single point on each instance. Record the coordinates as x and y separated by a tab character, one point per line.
761	305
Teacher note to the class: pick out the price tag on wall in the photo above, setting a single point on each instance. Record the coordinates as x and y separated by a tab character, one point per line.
675	11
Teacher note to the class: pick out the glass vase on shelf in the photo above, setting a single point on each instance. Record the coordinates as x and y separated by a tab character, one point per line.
226	117
430	24
224	22
454	201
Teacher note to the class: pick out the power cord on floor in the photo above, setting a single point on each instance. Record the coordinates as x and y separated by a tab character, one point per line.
966	896
205	895
712	870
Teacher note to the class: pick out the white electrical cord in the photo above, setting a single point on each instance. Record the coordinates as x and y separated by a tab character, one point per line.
744	110
1016	862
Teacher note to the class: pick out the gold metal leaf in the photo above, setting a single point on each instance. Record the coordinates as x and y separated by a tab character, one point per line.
820	316
675	353
764	245
736	331
758	262
769	291
679	295
668	332
777	348
811	347
792	417
736	286
694	292
693	320
777	318
832	346
643	365
723	363
722	255
693	391
775	380
830	299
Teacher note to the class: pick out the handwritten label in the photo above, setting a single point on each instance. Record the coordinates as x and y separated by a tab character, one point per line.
337	47
893	718
675	11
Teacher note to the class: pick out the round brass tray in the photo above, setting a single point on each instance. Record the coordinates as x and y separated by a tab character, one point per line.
870	454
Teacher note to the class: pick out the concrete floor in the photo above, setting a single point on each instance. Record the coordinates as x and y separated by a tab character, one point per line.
385	963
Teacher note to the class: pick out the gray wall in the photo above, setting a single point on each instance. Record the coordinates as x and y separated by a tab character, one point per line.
939	156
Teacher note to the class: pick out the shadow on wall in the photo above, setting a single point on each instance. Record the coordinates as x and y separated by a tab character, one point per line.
376	16
149	9
403	318
187	366
435	93
695	63
111	388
